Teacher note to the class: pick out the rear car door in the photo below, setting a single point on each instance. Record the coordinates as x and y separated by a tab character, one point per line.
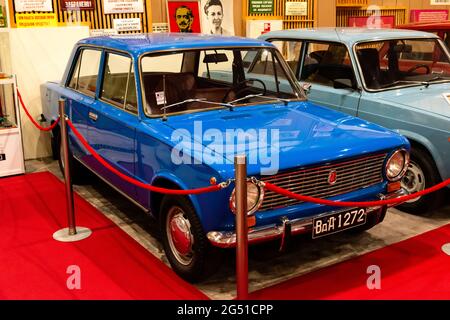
82	87
113	118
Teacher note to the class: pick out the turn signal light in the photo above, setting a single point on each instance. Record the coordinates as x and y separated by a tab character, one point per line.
251	221
394	186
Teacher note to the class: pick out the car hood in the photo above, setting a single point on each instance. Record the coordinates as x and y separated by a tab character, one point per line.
299	134
429	99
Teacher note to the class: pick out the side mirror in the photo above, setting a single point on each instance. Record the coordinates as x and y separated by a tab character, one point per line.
343	84
306	87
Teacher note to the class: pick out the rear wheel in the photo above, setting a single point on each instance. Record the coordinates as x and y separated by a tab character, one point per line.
188	250
421	174
77	171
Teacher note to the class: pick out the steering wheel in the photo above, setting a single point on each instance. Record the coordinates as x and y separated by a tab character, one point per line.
418	66
239	91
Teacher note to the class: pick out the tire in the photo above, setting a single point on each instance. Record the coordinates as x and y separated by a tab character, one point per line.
421	174
77	171
193	258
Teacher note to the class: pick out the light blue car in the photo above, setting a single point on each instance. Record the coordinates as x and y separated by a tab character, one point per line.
397	78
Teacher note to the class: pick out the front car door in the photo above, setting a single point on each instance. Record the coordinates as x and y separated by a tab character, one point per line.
328	68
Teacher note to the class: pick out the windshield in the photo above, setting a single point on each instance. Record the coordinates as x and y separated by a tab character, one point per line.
397	63
198	80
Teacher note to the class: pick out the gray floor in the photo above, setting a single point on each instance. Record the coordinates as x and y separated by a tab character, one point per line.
266	265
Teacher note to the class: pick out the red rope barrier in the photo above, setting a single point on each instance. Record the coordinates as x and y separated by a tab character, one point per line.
300	197
133	181
37	125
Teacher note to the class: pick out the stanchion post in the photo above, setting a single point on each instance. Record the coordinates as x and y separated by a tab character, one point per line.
240	166
66	162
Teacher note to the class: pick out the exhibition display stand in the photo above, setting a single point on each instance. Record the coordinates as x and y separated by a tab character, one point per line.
11	150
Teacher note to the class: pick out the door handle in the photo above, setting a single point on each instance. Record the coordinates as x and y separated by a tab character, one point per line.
93	116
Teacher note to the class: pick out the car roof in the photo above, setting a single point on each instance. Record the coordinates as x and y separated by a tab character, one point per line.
150	42
347	35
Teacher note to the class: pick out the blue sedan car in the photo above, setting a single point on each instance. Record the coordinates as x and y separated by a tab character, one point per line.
172	110
399	79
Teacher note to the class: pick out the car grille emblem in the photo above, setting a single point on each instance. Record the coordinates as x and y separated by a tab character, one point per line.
332	177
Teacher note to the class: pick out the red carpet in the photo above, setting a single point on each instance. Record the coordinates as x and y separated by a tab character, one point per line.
416	268
33	265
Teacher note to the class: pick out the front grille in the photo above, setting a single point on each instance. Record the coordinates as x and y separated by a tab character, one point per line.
350	176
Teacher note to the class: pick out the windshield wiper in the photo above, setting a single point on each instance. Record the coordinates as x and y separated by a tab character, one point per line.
389	85
435	79
201	100
259	95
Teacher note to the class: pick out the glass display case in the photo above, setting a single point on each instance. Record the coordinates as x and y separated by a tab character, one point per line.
7	105
11	151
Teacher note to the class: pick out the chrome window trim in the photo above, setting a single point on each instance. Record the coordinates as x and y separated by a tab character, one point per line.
104	49
292	78
114	103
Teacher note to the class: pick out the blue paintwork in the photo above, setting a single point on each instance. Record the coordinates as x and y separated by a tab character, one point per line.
421	114
141	147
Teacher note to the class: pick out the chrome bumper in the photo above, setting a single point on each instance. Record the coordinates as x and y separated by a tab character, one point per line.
227	239
399	193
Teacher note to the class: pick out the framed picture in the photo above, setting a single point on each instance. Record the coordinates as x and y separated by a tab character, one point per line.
184	16
217	17
374	22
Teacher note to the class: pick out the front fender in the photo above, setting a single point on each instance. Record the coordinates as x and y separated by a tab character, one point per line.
428	145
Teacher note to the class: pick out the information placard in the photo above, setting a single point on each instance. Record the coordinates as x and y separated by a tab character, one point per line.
123	6
296	8
260	6
129	24
36	20
68	5
33	5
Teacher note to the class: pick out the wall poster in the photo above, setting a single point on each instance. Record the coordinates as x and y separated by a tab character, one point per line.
217	17
184	16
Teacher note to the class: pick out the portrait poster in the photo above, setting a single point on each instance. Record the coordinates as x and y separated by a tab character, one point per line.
184	16
217	17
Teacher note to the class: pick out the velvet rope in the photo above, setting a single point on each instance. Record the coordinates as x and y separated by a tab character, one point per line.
287	193
37	125
83	141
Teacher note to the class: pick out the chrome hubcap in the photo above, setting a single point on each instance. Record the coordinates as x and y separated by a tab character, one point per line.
180	238
413	180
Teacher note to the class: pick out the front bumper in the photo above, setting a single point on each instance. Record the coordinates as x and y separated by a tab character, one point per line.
227	239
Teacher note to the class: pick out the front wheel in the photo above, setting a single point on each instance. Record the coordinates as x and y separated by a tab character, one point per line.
421	174
188	250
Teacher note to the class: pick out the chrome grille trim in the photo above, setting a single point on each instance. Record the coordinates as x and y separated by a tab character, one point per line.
351	176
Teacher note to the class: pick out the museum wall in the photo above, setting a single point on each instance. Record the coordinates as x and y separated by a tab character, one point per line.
40	55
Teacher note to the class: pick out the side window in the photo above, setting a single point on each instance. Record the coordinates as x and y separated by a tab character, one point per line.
267	64
266	67
326	62
85	73
290	50
119	82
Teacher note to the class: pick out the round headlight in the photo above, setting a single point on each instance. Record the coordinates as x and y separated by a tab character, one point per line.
255	196
397	164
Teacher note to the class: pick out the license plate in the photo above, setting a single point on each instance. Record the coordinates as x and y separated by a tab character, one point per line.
338	221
